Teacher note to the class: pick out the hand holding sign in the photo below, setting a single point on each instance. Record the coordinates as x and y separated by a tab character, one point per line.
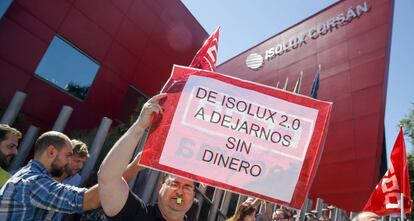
151	111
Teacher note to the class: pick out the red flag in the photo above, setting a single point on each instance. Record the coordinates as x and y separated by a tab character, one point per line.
386	198
206	57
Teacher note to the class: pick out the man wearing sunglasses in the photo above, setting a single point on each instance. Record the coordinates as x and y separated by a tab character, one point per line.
175	196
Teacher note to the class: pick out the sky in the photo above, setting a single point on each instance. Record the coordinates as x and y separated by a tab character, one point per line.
244	24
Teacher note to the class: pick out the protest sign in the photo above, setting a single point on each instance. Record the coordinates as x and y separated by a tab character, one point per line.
238	135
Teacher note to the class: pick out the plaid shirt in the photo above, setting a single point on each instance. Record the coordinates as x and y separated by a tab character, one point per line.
31	194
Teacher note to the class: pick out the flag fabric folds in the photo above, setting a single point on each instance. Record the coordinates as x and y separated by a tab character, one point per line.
206	56
386	197
315	85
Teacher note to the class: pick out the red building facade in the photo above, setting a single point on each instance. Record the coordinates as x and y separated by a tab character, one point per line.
351	42
134	42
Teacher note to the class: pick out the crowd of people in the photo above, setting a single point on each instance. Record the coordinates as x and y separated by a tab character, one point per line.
48	186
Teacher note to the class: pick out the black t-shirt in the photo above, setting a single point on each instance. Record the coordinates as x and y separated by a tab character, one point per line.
136	209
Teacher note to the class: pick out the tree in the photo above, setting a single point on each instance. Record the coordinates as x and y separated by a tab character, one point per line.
77	90
408	128
408	125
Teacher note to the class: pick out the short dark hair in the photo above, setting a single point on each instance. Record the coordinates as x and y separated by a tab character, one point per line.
165	176
6	129
50	138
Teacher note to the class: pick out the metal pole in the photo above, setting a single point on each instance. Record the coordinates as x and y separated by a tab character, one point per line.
214	207
154	178
241	199
319	207
225	203
24	147
334	214
13	109
402	206
202	188
62	118
96	147
307	205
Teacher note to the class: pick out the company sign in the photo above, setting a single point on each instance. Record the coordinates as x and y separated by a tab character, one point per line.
255	60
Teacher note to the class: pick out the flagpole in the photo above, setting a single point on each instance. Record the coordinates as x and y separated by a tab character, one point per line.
286	83
403	183
402	206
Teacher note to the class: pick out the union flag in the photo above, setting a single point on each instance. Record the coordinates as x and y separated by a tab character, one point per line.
386	198
206	57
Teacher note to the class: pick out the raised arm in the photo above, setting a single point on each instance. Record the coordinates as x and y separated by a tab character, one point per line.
268	211
113	166
132	169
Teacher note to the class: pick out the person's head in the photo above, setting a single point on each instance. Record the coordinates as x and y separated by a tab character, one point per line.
9	140
281	215
366	216
54	150
244	212
176	195
80	155
311	217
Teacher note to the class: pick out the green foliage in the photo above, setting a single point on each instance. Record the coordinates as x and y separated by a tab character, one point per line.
408	128
77	90
410	161
408	125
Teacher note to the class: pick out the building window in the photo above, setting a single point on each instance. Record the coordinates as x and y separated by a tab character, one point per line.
131	105
4	5
68	68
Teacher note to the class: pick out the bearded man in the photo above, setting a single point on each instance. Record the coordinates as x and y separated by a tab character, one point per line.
32	194
9	140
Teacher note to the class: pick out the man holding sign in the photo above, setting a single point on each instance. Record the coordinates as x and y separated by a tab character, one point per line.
175	196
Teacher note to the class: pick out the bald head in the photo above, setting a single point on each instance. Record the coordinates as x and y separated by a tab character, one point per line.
50	138
366	216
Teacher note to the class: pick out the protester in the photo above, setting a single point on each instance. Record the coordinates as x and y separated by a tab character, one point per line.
282	214
32	194
175	196
70	174
310	217
246	211
98	214
71	171
9	140
366	216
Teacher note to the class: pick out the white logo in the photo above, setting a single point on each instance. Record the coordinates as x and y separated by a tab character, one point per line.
254	61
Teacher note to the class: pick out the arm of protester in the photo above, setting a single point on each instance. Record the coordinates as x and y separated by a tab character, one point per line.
133	168
113	166
268	211
48	194
91	198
